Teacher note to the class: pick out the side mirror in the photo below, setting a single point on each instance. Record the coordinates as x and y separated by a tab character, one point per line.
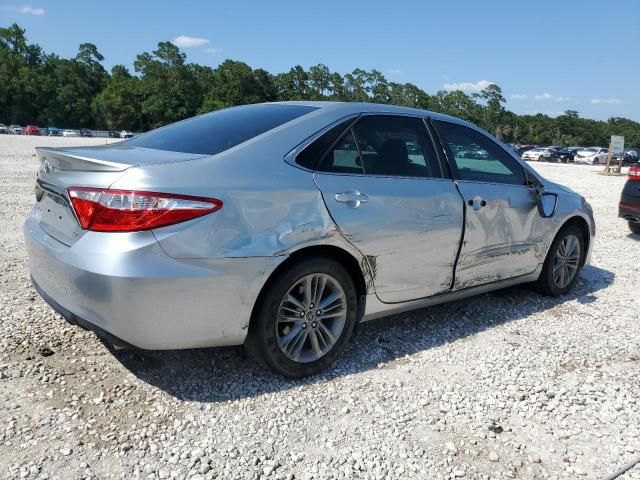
547	204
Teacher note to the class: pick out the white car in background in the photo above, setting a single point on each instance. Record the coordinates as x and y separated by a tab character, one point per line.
69	133
541	154
125	134
592	155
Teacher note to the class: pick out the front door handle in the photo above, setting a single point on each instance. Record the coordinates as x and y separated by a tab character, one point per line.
353	198
477	203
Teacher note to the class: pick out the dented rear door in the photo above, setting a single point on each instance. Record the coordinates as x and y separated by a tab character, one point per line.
408	228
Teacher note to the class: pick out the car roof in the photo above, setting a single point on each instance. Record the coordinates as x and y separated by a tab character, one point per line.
364	107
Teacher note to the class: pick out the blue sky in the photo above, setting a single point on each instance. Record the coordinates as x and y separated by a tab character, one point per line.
548	56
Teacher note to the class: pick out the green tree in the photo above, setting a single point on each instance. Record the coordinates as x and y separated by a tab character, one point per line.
118	105
168	86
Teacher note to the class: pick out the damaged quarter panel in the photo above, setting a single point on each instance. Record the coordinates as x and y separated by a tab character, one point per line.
271	209
262	215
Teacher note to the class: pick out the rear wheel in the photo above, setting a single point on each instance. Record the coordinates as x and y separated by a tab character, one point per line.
304	318
563	263
634	227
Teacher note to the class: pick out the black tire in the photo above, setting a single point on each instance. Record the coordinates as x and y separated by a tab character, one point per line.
262	341
546	282
634	227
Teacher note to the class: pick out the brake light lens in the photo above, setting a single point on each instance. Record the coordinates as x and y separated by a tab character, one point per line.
634	173
107	210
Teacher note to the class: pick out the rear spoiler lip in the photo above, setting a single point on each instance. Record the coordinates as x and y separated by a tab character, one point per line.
145	157
59	154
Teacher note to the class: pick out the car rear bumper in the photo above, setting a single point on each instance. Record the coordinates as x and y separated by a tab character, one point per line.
129	290
629	210
629	206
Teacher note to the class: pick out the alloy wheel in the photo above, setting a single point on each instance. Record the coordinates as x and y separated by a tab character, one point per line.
566	261
311	317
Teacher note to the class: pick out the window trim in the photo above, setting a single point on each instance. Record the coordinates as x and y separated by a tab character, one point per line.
454	167
444	172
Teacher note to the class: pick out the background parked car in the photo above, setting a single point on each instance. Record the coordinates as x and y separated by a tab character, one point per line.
629	206
541	154
31	130
16	130
630	157
3	129
85	132
525	148
125	134
566	154
592	156
114	134
54	132
69	133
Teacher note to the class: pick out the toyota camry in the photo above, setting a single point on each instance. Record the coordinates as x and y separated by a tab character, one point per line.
280	226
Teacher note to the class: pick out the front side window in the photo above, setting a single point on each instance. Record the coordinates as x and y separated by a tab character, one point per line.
478	158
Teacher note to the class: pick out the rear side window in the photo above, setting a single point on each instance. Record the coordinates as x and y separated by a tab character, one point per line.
477	158
384	145
396	146
312	154
221	130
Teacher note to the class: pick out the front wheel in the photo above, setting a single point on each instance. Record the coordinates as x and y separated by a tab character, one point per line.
563	263
304	318
634	227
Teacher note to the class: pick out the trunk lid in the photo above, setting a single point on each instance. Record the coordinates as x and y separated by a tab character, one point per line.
100	166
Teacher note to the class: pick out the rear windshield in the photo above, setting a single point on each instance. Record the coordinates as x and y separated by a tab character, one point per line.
218	131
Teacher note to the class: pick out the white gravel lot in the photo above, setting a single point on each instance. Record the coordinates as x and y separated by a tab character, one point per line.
505	385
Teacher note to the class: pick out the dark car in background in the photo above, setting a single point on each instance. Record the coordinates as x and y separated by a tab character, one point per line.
565	155
114	134
54	132
31	130
3	129
629	206
629	157
85	132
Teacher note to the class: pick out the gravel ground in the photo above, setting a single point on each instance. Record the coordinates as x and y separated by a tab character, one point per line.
505	385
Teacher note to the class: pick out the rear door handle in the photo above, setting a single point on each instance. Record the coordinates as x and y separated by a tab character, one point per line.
477	203
353	198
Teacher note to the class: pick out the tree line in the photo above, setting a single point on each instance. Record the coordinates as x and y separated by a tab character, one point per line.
44	89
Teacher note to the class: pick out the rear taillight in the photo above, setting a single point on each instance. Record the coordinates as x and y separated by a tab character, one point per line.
634	173
106	210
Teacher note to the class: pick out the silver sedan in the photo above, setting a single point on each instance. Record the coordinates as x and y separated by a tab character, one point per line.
281	226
